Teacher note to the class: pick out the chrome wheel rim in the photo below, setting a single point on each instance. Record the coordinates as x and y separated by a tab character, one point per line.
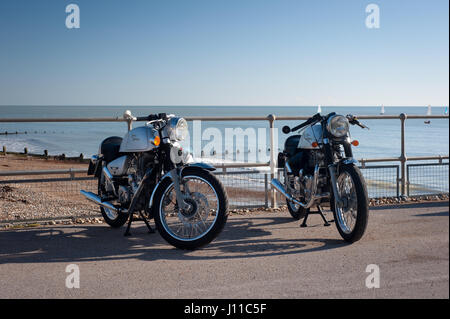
111	214
201	215
295	207
347	214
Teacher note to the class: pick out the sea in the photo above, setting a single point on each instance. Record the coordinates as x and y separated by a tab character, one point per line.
382	139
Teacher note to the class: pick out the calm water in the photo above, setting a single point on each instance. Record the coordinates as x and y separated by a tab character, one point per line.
382	140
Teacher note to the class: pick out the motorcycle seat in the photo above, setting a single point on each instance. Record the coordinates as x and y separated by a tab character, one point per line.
110	148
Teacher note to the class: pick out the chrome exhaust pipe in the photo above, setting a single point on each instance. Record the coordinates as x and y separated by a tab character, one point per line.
94	198
279	187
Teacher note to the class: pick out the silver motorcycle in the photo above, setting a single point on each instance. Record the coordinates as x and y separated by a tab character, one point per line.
148	173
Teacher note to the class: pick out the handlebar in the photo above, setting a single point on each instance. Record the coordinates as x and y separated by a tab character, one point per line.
313	120
354	121
152	117
317	118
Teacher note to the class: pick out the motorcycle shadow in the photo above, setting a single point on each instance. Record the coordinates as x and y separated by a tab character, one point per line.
241	238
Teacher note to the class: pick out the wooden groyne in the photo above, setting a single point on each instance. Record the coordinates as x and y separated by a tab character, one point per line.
45	155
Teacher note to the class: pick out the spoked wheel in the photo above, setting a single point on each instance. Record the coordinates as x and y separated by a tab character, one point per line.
352	215
112	218
204	217
297	212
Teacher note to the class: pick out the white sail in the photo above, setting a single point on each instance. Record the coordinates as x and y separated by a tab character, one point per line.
319	109
429	110
446	110
382	110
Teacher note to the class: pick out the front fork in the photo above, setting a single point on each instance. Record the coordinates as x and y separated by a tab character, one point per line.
175	176
333	178
333	168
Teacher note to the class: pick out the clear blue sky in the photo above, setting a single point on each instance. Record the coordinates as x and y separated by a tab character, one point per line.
224	52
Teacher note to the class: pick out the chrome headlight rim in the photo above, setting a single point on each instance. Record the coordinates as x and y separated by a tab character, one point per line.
338	126
177	129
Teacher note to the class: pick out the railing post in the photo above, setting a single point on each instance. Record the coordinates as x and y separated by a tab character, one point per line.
266	191
403	157
71	174
271	118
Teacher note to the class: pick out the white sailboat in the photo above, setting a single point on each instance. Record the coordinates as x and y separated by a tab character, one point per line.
382	110
428	113
446	110
319	109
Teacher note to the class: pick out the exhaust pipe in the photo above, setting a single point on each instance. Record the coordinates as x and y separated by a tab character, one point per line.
279	187
94	198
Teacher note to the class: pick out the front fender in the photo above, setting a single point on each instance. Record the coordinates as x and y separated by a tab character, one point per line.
168	175
348	161
344	162
201	165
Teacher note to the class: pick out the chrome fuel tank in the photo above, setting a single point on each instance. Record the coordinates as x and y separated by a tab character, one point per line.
140	139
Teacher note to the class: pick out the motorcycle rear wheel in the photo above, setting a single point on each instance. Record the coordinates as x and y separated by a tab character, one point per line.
297	212
113	219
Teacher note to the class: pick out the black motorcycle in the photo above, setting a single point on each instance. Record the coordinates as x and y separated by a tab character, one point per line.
319	167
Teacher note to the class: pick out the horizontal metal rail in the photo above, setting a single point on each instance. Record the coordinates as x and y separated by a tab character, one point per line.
46	180
399	159
225	166
215	118
43	172
61	172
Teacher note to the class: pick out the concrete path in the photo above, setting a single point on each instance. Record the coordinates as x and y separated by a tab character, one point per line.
259	255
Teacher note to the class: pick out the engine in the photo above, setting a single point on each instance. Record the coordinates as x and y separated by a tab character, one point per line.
128	172
301	184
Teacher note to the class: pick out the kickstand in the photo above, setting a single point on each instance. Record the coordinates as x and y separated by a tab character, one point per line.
130	220
320	212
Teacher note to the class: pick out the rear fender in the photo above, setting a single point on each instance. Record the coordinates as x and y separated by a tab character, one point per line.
95	166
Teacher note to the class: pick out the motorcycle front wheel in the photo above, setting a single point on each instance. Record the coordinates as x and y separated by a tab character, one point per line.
205	216
352	216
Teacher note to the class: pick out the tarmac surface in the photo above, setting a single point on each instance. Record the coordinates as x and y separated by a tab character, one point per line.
258	255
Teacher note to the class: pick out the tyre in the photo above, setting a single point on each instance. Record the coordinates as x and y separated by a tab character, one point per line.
113	219
297	212
202	221
352	217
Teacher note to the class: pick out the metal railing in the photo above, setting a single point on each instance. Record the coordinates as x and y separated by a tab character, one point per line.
426	178
402	159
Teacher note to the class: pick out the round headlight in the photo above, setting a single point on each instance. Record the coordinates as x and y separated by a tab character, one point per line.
338	125
177	128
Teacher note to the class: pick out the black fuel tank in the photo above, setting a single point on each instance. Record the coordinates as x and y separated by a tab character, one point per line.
291	144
